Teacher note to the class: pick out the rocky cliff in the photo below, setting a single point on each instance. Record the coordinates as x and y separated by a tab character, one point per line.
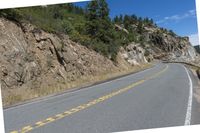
158	43
31	58
163	43
30	54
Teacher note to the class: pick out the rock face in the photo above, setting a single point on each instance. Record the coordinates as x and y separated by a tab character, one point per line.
30	57
119	28
133	54
166	45
158	43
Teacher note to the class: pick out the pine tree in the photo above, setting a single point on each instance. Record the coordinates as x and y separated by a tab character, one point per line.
69	7
105	32
100	27
134	18
140	27
116	19
56	12
121	18
103	9
92	18
151	21
127	22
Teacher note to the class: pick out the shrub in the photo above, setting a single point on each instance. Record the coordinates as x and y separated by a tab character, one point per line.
67	27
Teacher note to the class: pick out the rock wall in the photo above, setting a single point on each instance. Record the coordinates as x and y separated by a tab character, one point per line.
30	57
157	43
133	54
172	46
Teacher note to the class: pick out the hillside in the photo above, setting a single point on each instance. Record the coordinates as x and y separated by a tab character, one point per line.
93	28
69	46
30	57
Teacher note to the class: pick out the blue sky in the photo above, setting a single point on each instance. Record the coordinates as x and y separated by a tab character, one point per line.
178	15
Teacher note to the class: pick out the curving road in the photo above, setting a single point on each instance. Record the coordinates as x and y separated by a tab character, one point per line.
158	97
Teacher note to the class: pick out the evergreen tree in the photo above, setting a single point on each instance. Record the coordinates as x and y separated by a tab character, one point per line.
69	7
105	31
140	27
116	20
134	18
140	19
127	22
56	12
121	18
146	20
92	18
151	21
101	28
99	25
171	32
103	9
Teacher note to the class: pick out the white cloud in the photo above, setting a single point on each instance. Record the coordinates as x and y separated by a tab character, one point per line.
176	18
194	39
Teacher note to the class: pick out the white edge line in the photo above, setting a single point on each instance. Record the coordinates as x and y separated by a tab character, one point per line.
189	106
2	127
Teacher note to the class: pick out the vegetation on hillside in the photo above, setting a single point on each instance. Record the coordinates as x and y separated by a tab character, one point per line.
90	26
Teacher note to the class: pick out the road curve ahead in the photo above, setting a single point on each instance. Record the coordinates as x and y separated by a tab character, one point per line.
154	98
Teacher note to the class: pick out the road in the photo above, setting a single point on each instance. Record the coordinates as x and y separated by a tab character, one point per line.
161	96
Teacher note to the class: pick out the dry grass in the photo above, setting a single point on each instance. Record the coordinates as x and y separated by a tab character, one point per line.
15	96
195	70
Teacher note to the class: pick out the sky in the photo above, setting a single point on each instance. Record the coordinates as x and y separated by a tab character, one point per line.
177	15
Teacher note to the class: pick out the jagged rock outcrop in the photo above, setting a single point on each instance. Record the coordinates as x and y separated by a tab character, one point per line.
159	43
119	28
30	57
178	48
133	54
164	44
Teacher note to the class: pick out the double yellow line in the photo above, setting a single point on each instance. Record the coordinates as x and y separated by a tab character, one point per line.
84	106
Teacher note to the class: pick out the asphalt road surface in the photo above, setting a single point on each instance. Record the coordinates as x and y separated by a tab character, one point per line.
161	96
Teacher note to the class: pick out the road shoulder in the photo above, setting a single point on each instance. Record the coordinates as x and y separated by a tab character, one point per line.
195	119
77	88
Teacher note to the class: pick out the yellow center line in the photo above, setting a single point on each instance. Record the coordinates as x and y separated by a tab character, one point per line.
39	124
84	106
